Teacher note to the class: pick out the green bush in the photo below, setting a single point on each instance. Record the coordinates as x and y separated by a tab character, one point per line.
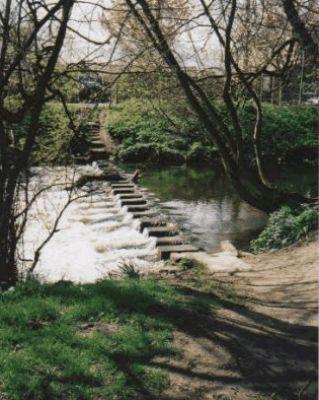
56	142
147	135
286	226
150	153
200	154
288	132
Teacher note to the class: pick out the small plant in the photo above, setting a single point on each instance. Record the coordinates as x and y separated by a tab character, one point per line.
130	271
186	263
286	226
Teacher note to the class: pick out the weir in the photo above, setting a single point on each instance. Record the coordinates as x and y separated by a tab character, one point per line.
136	199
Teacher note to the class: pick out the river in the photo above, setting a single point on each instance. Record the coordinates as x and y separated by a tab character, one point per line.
207	208
96	236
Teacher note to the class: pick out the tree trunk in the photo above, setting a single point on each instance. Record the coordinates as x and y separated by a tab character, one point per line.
254	192
8	243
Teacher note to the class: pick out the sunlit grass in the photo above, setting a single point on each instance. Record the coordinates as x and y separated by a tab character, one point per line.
93	341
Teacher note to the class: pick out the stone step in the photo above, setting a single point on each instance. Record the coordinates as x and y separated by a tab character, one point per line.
82	159
162	231
123	191
133	201
95	156
124	182
93	124
96	144
165	251
98	150
123	186
147	213
147	222
169	240
138	207
134	195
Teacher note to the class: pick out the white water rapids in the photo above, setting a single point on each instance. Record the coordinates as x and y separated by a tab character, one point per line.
95	236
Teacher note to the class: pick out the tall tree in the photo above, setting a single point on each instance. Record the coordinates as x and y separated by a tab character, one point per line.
31	37
305	28
221	18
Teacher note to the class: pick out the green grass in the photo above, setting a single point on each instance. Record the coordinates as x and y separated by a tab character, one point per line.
146	135
93	341
285	227
57	142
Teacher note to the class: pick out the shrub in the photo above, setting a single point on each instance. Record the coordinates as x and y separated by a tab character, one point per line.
200	154
144	135
57	142
152	153
286	226
288	133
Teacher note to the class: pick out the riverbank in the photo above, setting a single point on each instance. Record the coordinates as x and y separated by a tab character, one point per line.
262	344
168	133
181	333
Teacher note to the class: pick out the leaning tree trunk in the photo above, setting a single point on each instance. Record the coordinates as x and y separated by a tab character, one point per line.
254	191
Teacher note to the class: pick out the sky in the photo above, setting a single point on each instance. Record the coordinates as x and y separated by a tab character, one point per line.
86	21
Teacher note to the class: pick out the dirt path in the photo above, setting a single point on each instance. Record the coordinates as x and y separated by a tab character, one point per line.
261	344
105	136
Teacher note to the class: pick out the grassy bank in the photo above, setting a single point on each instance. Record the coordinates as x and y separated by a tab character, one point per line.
170	134
285	227
60	139
93	341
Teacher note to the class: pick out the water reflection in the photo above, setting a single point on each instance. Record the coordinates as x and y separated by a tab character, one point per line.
206	207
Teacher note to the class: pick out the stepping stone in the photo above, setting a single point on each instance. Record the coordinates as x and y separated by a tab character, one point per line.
131	196
123	191
169	240
151	222
123	182
93	124
148	213
138	207
97	154
82	159
165	251
133	201
98	151
122	186
160	231
95	144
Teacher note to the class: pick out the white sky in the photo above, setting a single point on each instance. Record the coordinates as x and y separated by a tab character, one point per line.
86	18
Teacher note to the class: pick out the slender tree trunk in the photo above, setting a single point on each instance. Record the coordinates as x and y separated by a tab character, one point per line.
256	192
8	242
12	161
301	79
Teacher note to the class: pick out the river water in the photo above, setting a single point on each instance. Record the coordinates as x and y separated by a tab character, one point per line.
207	208
96	236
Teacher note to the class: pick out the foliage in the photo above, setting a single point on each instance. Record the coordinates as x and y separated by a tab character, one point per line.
57	141
147	134
285	227
168	133
90	341
288	132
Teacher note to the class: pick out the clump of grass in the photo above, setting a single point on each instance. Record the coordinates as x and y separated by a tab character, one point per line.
47	353
285	227
186	263
130	271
